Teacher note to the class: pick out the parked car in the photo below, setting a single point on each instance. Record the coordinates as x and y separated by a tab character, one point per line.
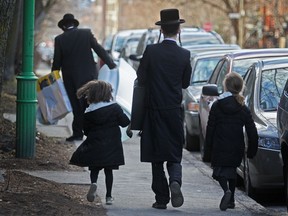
282	124
238	61
120	38
203	64
189	37
199	48
265	81
129	47
107	43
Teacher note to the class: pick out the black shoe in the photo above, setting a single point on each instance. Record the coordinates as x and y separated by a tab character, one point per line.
74	138
231	205
177	198
159	206
225	200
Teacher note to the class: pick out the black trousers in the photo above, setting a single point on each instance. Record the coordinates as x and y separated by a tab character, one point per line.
160	184
78	109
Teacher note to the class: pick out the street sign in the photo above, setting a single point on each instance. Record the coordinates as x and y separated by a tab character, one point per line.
234	15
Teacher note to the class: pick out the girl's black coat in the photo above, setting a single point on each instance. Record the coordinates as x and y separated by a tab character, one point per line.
225	135
103	146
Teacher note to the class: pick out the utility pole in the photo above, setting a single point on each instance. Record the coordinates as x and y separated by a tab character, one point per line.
26	89
104	24
241	23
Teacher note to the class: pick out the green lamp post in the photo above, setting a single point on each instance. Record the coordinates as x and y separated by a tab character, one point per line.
26	89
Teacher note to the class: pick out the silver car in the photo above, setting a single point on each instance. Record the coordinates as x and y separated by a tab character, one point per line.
189	37
238	61
282	125
265	81
202	65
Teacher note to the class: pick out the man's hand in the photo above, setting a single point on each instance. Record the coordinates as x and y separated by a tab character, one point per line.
129	132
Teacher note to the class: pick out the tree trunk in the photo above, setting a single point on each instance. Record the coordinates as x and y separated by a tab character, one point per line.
6	17
13	49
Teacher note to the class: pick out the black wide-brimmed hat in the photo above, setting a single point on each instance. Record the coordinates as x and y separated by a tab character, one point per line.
169	16
68	18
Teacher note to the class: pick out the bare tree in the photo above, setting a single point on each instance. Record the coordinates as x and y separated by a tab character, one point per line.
11	17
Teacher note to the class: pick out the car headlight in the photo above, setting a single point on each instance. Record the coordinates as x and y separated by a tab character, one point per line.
269	143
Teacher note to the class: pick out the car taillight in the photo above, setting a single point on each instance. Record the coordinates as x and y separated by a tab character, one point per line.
193	106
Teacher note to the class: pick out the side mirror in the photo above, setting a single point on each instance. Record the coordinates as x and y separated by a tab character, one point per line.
135	57
210	90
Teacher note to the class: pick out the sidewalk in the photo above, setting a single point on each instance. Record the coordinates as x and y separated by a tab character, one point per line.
132	185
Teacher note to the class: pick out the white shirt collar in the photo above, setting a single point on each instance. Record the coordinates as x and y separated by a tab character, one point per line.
99	105
171	39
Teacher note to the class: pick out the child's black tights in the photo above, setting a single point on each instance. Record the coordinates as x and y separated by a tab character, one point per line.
224	185
108	179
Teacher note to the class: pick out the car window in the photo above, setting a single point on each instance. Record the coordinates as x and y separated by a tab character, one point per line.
221	75
141	45
119	43
271	87
241	66
249	86
215	71
151	40
203	70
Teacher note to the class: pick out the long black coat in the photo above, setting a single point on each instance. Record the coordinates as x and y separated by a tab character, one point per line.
224	134
164	70
73	55
103	146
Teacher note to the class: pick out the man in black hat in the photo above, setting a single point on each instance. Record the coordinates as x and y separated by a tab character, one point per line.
164	70
74	57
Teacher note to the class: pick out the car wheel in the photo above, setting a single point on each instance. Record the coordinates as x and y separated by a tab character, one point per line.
191	142
205	153
250	191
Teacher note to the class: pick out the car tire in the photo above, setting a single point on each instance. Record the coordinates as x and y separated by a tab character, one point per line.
205	153
191	142
250	191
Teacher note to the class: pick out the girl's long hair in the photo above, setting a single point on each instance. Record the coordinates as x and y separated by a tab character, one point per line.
96	91
234	83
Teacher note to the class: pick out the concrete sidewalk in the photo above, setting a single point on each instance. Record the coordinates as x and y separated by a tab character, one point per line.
132	185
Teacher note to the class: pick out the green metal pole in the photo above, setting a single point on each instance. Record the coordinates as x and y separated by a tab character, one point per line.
26	89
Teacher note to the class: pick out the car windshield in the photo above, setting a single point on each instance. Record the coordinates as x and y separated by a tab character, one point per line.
203	70
272	85
241	66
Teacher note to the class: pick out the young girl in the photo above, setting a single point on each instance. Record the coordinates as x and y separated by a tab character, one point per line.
102	149
225	136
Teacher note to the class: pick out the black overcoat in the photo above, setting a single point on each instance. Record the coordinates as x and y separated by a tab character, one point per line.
164	70
103	145
73	55
224	134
